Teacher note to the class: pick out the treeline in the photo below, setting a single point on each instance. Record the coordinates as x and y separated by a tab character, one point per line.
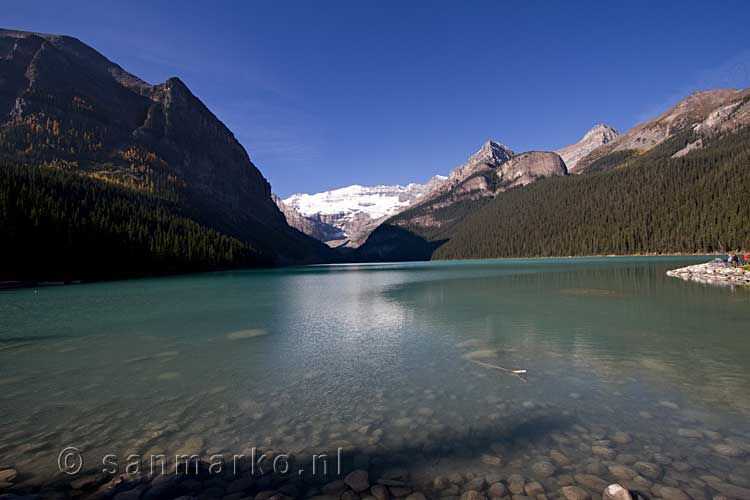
654	204
59	225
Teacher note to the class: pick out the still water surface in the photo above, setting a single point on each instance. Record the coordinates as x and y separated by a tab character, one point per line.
379	359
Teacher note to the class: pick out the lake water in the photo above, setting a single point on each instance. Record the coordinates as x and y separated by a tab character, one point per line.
393	364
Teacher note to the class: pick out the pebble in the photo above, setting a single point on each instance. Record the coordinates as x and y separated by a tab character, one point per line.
622	472
399	491
516	484
358	480
728	450
621	437
616	492
575	493
473	495
534	488
543	469
670	493
592	482
559	458
492	460
7	475
604	452
416	496
498	490
379	491
690	433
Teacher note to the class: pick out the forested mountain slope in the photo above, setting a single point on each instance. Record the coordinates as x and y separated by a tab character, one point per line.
64	106
651	203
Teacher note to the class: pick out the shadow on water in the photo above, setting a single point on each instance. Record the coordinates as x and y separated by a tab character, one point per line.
387	465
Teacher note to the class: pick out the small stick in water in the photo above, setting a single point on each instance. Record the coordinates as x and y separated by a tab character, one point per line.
518	373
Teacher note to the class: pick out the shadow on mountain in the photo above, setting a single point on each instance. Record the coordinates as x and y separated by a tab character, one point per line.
389	243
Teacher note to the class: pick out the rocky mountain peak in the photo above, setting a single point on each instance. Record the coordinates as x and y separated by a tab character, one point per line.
599	135
491	152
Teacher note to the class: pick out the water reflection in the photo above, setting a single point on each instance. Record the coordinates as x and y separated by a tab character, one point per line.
373	359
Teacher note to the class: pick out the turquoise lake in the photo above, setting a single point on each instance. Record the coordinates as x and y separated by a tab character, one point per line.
390	362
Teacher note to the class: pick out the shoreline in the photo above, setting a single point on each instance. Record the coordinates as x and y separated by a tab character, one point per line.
16	284
713	273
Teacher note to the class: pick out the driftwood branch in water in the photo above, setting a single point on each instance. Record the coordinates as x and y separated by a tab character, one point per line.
518	373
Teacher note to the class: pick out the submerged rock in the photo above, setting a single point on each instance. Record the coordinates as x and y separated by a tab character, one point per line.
575	493
616	492
358	480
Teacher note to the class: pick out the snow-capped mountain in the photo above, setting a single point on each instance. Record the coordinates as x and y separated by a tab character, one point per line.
357	210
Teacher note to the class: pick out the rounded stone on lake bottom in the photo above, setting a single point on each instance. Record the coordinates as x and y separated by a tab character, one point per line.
621	437
473	495
456	478
516	484
616	492
728	450
492	460
416	496
648	469
559	458
399	491
534	488
670	493
575	493
565	480
358	480
476	484
439	483
543	469
347	495
622	472
603	451
7	475
626	458
497	490
379	491
594	483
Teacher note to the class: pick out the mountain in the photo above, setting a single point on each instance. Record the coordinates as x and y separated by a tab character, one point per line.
311	225
354	210
659	203
704	114
599	135
64	106
676	183
490	171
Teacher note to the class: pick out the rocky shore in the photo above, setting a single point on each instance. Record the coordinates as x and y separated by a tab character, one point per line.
713	273
355	485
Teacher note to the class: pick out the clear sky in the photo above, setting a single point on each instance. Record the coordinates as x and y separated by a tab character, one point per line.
325	94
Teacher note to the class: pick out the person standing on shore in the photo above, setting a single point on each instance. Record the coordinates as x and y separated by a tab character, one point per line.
747	257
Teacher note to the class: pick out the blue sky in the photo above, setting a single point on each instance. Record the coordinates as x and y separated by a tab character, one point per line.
330	93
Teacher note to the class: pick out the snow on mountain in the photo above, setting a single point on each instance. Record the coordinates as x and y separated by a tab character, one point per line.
357	210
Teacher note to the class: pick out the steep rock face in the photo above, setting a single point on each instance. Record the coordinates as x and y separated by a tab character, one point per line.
528	167
597	136
491	155
356	210
436	214
65	105
708	110
492	170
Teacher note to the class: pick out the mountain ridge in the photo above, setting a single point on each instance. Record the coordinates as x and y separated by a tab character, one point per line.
63	105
